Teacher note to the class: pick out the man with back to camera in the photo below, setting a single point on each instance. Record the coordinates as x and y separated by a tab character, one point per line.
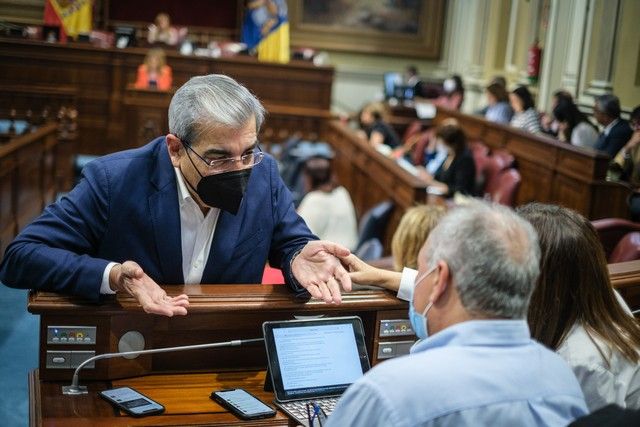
617	131
201	205
475	363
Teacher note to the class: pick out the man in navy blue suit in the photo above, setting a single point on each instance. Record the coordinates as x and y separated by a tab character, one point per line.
617	131
201	205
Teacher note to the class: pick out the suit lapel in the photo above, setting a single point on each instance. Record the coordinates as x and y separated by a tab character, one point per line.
165	217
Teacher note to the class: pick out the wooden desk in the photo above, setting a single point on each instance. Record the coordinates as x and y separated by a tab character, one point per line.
552	171
217	313
370	177
101	77
184	396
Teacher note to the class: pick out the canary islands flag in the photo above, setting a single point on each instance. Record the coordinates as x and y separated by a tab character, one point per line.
266	29
72	16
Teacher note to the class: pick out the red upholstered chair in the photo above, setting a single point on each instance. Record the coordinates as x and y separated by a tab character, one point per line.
480	154
505	157
627	249
504	187
494	165
414	128
612	230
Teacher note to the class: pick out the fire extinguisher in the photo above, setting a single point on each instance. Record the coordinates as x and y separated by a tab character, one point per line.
534	55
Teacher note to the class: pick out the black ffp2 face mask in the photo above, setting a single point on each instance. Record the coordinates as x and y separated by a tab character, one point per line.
224	190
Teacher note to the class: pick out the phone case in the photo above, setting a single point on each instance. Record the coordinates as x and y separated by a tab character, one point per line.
224	403
129	411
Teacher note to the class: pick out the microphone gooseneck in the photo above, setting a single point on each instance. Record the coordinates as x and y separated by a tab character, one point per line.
75	388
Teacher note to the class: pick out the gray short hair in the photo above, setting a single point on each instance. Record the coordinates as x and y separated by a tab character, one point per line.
609	104
206	102
493	256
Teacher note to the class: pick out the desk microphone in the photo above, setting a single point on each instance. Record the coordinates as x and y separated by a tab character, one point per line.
75	388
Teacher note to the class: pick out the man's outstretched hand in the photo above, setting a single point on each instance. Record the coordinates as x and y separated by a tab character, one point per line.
318	269
129	277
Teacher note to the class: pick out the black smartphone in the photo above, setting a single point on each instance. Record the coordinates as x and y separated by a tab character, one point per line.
243	404
132	402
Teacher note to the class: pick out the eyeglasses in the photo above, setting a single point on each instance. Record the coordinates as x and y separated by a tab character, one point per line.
227	164
315	415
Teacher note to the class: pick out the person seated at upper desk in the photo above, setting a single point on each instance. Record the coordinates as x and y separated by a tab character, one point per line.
374	128
161	31
457	173
616	132
154	73
498	108
475	362
203	204
525	116
453	96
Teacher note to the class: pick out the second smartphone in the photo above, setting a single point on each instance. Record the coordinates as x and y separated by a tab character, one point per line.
243	404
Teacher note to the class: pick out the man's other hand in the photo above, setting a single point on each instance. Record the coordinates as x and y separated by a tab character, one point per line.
129	277
320	272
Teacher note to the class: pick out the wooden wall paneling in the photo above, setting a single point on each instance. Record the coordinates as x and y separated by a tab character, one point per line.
30	198
48	177
8	223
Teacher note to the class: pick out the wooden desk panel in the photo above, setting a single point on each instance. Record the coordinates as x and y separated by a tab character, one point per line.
217	313
101	77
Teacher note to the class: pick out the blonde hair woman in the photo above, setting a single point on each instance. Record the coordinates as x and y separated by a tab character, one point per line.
412	232
154	73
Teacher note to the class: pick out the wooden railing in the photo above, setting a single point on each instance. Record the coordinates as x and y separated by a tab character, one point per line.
27	179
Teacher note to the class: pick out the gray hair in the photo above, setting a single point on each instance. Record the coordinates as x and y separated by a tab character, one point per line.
609	104
493	256
208	102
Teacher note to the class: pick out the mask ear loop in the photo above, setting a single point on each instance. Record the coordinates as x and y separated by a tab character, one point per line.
195	167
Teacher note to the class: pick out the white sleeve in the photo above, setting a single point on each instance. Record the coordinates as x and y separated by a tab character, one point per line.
407	282
599	385
105	289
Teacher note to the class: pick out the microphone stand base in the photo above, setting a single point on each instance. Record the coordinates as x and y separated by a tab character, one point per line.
71	390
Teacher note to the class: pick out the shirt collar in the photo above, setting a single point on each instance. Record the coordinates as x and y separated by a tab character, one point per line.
490	333
183	191
610	126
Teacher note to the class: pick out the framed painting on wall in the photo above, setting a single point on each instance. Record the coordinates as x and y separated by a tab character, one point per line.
390	27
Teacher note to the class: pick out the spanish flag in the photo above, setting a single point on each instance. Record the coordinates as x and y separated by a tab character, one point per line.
72	16
266	29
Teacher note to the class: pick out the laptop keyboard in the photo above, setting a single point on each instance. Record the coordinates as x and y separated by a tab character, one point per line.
299	407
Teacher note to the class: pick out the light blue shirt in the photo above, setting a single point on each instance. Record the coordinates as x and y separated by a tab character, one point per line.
476	373
499	113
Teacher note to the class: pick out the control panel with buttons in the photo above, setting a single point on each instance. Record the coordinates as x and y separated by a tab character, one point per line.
68	359
395	328
78	335
387	350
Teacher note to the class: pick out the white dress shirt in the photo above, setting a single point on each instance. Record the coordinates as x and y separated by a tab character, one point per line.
602	383
196	231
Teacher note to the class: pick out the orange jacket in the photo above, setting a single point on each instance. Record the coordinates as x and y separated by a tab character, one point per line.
163	82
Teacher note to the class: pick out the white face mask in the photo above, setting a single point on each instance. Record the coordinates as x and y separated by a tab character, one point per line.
449	85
